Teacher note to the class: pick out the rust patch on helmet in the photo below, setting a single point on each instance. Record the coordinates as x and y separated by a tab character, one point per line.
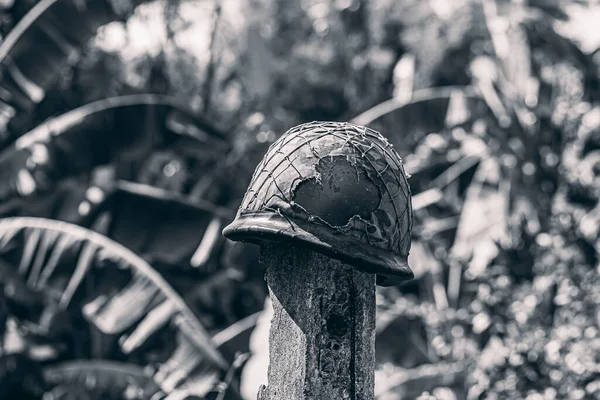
338	192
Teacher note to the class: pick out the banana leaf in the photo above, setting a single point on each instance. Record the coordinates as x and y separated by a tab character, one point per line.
429	110
182	240
221	281
255	373
409	383
429	121
123	130
182	237
57	30
112	379
484	216
432	129
121	296
182	232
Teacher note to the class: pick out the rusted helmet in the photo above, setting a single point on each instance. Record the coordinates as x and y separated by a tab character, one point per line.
337	188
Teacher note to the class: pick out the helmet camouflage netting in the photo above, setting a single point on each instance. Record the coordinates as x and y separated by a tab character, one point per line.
341	183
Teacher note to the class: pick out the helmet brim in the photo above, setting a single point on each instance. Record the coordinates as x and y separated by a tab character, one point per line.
253	227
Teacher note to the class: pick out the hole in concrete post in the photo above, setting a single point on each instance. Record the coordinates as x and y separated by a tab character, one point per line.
337	325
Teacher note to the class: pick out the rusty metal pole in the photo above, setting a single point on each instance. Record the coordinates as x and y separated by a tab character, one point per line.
330	206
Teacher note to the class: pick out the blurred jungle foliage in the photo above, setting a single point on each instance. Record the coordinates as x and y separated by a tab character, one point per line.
129	131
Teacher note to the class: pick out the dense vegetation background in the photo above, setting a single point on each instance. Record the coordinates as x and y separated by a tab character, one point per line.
142	121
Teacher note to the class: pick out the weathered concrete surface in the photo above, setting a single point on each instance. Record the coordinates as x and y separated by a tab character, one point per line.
322	338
